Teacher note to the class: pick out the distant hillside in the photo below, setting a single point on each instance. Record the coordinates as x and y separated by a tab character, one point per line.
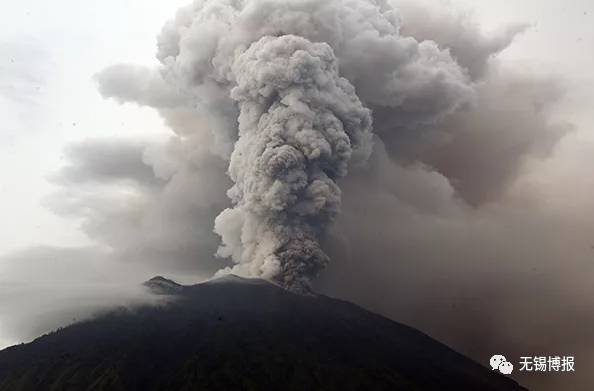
236	334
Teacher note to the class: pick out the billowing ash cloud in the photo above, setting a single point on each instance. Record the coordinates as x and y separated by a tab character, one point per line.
454	30
299	125
417	80
291	69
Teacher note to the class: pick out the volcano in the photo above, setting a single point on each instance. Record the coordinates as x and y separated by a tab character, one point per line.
241	334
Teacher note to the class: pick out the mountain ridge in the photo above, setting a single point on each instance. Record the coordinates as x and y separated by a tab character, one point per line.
241	334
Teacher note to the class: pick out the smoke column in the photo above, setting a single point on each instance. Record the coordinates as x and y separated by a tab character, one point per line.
285	87
299	125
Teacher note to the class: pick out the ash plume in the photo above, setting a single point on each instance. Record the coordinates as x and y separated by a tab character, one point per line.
297	73
299	125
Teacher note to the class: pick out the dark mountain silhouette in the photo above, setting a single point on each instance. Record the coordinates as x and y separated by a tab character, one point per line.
236	334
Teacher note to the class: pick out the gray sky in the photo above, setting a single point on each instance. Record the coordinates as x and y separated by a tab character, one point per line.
53	168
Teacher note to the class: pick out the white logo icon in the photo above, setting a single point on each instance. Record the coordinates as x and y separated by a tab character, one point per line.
500	363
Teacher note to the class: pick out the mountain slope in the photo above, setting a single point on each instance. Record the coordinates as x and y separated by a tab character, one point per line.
235	334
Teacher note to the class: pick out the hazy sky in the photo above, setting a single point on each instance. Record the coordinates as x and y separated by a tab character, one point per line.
53	115
50	51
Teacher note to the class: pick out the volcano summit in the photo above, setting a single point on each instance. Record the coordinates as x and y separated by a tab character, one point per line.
241	334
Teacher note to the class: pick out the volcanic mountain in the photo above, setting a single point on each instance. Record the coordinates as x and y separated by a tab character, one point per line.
241	334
